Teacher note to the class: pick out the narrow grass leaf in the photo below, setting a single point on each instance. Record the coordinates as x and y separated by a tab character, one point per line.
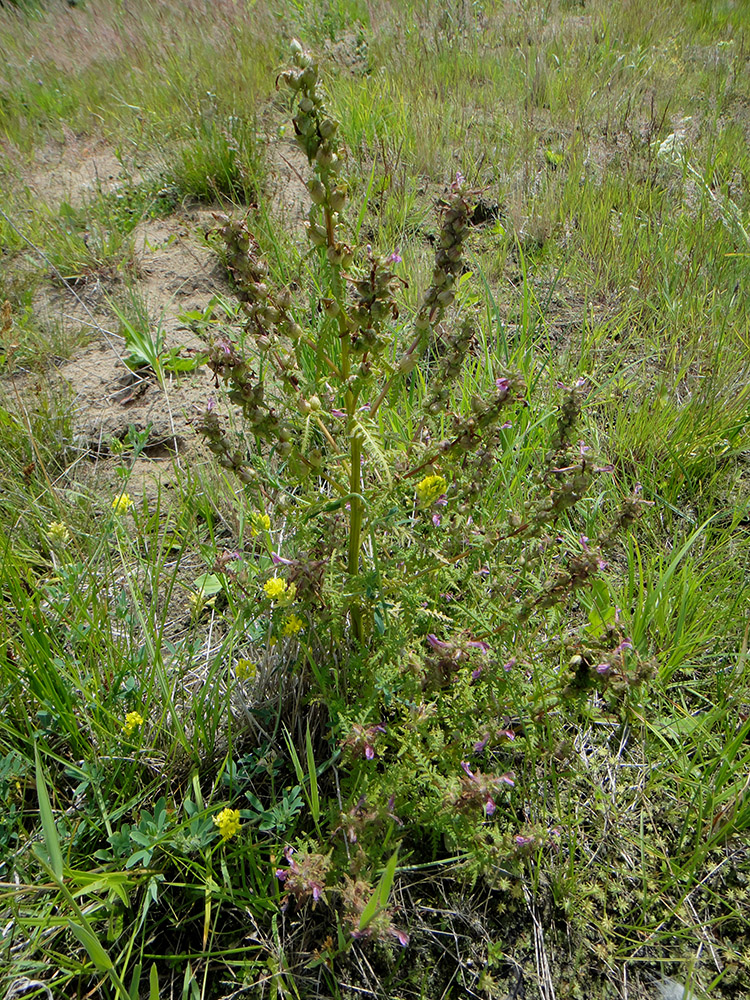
93	947
51	839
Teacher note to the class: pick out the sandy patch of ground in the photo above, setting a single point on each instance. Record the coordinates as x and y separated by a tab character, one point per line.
74	170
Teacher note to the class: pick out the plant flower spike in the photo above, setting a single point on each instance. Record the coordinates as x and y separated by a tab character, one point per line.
57	532
228	823
133	721
122	503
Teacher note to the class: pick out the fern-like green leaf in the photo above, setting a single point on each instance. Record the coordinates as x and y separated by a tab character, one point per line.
369	435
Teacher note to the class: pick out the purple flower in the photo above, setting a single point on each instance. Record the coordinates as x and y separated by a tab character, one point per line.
489	806
436	643
476	674
503	384
436	520
395	258
603	668
478	644
510	664
481	744
279	561
522	841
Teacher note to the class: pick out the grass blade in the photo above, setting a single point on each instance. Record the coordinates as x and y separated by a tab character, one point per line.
51	839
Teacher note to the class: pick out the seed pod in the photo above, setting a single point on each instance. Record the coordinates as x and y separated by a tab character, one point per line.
309	76
325	155
306	105
316	235
327	128
291	79
337	199
331	307
317	191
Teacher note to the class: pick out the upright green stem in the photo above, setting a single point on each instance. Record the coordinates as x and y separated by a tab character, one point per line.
355	491
355	475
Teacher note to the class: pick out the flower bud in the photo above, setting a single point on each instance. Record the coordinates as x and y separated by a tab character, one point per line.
315	404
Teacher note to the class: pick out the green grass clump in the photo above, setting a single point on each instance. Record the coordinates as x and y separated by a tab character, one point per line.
424	671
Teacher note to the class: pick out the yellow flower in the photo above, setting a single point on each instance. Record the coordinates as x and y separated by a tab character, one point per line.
258	523
133	721
245	670
228	822
293	625
430	489
121	504
57	532
275	588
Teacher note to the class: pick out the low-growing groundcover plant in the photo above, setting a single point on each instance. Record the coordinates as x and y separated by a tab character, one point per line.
415	764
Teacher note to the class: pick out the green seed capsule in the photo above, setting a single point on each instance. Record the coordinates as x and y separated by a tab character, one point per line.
309	76
327	128
337	199
317	191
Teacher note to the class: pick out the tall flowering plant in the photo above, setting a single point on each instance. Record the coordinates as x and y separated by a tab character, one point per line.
314	390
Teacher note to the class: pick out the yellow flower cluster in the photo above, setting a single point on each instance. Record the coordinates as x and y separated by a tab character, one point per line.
122	503
57	532
279	590
293	625
245	670
228	822
133	721
258	523
430	489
